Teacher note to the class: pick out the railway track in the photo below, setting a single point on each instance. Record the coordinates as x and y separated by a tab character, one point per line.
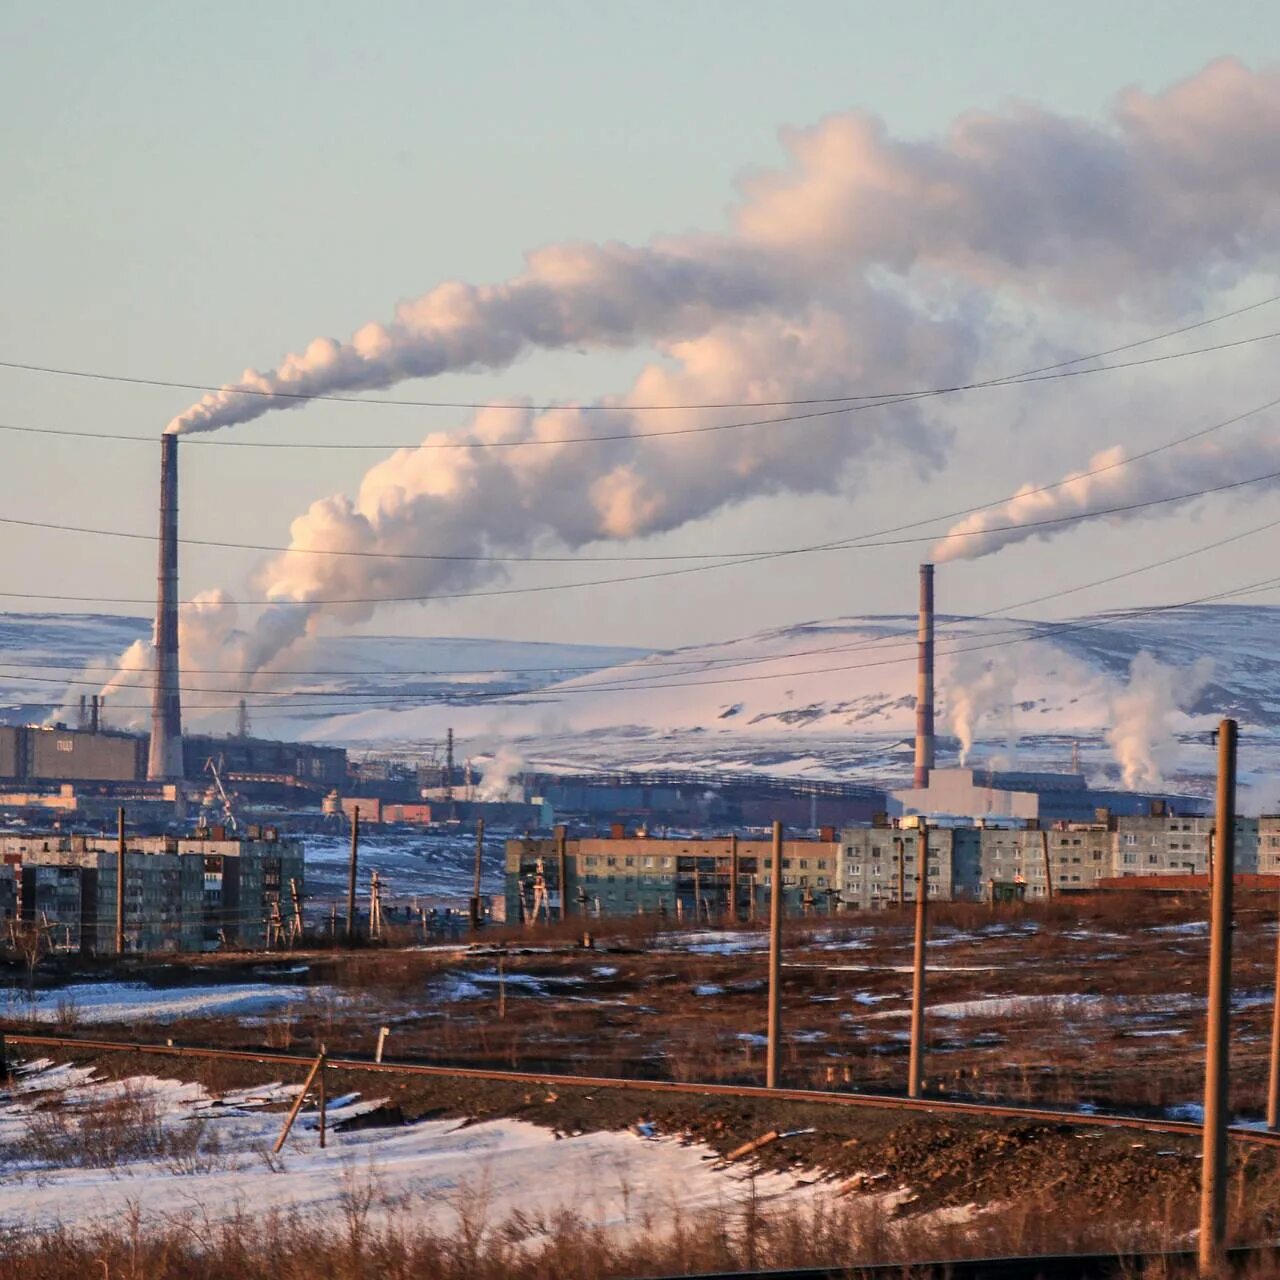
1071	1266
927	1106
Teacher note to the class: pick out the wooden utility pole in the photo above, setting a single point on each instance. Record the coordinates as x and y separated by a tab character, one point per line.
562	857
915	1066
774	1050
697	892
1048	865
733	879
1213	1185
120	883
1273	1081
900	844
475	888
351	876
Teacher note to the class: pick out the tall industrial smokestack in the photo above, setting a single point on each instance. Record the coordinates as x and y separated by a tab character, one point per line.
924	680
164	763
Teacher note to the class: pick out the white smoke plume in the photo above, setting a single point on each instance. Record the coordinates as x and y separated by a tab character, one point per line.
502	776
1040	512
978	692
1142	734
1175	185
867	263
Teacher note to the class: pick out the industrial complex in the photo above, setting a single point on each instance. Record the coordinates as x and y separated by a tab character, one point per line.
988	833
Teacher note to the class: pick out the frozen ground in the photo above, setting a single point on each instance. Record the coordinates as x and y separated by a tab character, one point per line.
128	1001
428	1173
430	866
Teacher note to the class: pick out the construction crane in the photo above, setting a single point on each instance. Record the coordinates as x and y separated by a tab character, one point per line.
228	812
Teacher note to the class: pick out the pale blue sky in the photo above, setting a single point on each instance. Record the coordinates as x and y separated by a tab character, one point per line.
188	189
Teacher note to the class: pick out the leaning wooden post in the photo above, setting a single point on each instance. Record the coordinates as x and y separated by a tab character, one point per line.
774	1050
324	1095
1273	1080
297	1102
351	875
120	883
915	1067
1213	1184
1048	866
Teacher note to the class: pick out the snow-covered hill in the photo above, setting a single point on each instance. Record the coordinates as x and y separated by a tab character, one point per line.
1134	695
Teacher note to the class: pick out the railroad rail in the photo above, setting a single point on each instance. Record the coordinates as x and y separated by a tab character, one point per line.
1069	1266
874	1101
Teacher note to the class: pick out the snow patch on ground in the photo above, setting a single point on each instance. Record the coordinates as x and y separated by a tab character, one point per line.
127	1001
427	1171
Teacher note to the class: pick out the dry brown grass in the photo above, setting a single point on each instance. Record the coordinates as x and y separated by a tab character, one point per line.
747	1235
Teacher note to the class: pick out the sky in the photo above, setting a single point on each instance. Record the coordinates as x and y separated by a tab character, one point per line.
195	189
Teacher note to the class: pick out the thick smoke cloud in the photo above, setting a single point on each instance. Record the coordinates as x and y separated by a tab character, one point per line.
865	263
1174	185
1106	484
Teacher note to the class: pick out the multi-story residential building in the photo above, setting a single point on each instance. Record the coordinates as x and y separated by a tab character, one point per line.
185	894
880	864
682	878
1167	844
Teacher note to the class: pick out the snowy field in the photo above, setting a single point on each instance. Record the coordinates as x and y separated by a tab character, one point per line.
430	866
134	1001
828	698
203	1157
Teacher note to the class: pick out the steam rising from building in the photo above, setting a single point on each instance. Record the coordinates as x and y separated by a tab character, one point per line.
1142	734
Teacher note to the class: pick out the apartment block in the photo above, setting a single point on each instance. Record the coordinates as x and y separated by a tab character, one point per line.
180	894
681	878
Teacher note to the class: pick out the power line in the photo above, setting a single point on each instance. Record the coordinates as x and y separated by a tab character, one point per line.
844	406
480	404
1022	633
731	557
1028	633
852	544
670	661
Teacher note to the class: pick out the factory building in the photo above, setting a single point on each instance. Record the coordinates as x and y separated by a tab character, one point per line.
1031	797
179	894
246	760
31	754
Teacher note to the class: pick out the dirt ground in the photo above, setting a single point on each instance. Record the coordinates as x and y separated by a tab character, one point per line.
1079	1002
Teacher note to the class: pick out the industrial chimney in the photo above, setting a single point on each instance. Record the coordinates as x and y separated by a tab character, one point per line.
924	680
164	762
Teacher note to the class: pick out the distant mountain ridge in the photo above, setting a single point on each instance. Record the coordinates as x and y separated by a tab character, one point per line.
830	697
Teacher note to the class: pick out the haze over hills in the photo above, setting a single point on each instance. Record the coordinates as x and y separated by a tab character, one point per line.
1134	695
